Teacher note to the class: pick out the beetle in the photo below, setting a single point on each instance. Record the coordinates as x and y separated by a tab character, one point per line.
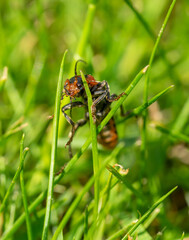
102	99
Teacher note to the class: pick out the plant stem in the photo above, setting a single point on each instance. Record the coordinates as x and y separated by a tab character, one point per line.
4	202
146	86
175	134
23	153
136	111
94	147
53	151
147	214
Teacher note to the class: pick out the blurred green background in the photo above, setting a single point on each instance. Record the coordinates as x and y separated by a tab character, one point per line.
33	38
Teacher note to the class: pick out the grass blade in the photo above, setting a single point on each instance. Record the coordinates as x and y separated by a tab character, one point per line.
53	151
147	214
3	78
182	118
142	107
4	202
122	99
94	147
86	223
149	30
124	180
22	157
146	86
178	136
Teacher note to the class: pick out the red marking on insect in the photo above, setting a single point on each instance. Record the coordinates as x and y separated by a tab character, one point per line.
91	81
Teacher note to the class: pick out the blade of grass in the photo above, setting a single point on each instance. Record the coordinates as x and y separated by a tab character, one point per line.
86	32
96	225
4	202
122	99
86	223
147	214
178	136
3	78
182	118
147	79
94	147
125	181
85	189
170	66
33	80
53	150
182	237
151	218
72	162
142	107
14	96
12	131
119	233
23	153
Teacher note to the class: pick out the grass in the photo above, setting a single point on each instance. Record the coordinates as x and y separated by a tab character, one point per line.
53	151
96	163
91	198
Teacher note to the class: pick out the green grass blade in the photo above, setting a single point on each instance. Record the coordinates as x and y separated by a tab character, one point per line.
182	118
86	223
86	31
141	19
31	88
53	150
9	232
122	99
4	202
147	214
94	147
146	86
24	197
178	136
142	107
182	237
124	181
149	30
3	78
81	194
14	96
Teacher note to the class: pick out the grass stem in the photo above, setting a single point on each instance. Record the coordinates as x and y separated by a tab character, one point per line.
23	153
94	147
53	151
147	79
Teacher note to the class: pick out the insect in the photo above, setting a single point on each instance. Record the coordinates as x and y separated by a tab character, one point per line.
101	106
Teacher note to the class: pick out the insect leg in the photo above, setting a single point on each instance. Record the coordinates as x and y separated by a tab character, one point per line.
71	122
78	124
93	107
109	98
69	106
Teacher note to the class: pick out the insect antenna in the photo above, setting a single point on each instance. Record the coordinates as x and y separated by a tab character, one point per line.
80	60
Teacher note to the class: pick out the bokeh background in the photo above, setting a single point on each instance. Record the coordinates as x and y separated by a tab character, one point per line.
33	38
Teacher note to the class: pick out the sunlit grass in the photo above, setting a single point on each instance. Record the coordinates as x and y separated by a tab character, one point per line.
91	198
